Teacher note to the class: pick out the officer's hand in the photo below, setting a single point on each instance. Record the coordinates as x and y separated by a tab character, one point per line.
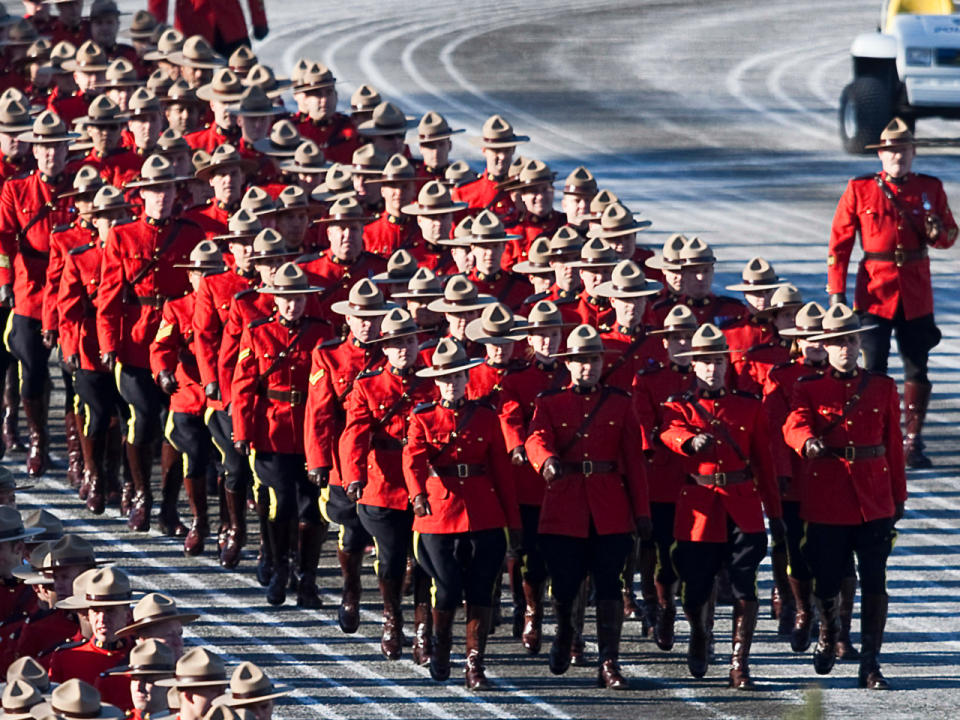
698	443
421	506
49	338
260	31
243	447
320	477
778	530
814	448
551	470
71	364
167	382
513	539
212	391
354	491
898	512
934	227
109	360
838	299
6	295
518	456
644	528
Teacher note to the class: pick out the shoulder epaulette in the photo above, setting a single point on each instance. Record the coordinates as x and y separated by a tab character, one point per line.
548	393
69	645
744	393
243	293
260	321
80	249
536	297
424	406
307	257
63	227
485	404
427	344
370	372
655	366
807	378
617	390
332	342
567	300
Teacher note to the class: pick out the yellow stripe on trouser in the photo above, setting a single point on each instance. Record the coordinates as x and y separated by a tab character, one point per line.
416	556
258	484
376	561
322	501
168	434
207	416
86	416
132	420
340	534
7	329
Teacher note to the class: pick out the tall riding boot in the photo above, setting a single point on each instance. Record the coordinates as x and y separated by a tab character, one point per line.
631	610
560	651
515	575
578	646
95	447
74	451
443	641
803	619
744	623
171	478
140	461
422	619
916	398
223	527
478	624
781	599
293	583
265	554
666	615
11	410
825	653
711	614
609	625
237	535
349	613
408	575
647	560
35	410
848	591
279	532
697	647
113	462
200	527
873	620
391	638
532	636
311	540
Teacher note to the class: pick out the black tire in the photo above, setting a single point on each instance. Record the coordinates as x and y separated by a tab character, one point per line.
866	106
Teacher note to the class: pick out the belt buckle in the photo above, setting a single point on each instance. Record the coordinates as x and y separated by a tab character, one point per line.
849	453
720	479
296	397
463	470
899	257
588	468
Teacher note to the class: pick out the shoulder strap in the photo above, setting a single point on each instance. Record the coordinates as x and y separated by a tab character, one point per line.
714	422
878	178
281	356
44	210
847	406
167	243
507	287
585	425
464	421
366	366
621	361
381	422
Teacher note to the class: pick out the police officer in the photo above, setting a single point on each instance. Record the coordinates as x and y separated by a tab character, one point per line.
488	244
498	141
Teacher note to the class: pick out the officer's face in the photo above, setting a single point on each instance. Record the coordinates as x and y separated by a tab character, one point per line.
194	702
389	144
105	621
673	279
540	282
452	387
395	196
267	269
585	371
499	354
629	310
624	245
69	12
812	352
538	200
593	277
63	578
51	157
457	322
697	280
8	498
170	69
120	96
11	147
254	128
423	316
711	371
367	193
262	710
364	329
241	254
463	258
759	300
435	227
566	276
346	240
158	201
291	307
46	595
675	343
227	185
170	633
182	118
146	129
498	160
575	206
142	693
321	103
86	80
436	154
843	352
196	77
402	352
545	342
104	137
103	30
221	115
11	556
785	318
487	256
292	224
897	161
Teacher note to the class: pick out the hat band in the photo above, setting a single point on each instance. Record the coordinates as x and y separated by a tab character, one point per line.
499	332
506	138
12	532
502	236
629	288
453	365
201	678
150	668
344	218
463	301
534	324
253	693
587	350
109	597
762	281
577	190
809	328
78	714
595	261
75	560
399	331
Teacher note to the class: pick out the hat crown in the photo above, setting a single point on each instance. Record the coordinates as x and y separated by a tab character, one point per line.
257	200
338	177
488	225
566	238
120	69
157	167
261	75
580	181
346	208
242	58
432	123
76	698
171	40
459	171
424	280
809	317
696	250
108	584
292	196
80	582
616	216
11	523
39	49
397	321
254	99
28	669
50	523
299	67
544	312
434	194
20	696
496	127
87	179
152	654
49	124
268	241
291	276
464	228
627	275
398	167
143	20
539	252
758	271
61	52
226	82
206	252
673	246
225	154
143	100
897	132
285	134
459	290
365	294
180	90
71	549
103	108
680	317
107	197
708	338
316	74
839	318
248	680
103	7
535	171
171	140
309	153
600	201
497	319
388	116
597	251
365	97
159	82
584	339
401	264
448	352
368	157
201	663
90	54
786	295
196	47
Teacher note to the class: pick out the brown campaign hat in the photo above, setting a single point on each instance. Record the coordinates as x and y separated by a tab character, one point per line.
598	203
12	528
616	221
83	143
156	171
154	608
258	201
205	255
448	358
143	102
397	323
20	34
264	78
255	103
290	279
90	58
294	198
364	300
895	134
270	245
785	296
242	60
497	325
48	128
365	99
14	117
669	256
109	199
545	315
583	341
840	320
149	658
808	322
38	52
308	159
460	295
224	86
226	712
180	93
367	160
224	157
627	281
423	285
531	174
346	210
9	483
282	142
488	228
249	685
498	133
387	119
679	319
59	54
75	699
170	41
596	253
757	275
398	169
104	7
707	340
29	573
86	182
462	232
104	112
171	142
200	159
45	520
315	76
159	82
401	266
433	199
514	170
566	242
337	183
28	669
120	73
143	25
696	252
70	551
19	697
196	52
197	668
105	587
538	259
580	181
433	127
459	173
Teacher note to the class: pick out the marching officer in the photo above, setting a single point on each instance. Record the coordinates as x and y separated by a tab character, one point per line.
223	90
461	304
149	661
666	264
434	211
582	439
722	437
488	243
579	187
759	282
899	215
335	132
697	262
757	362
454	459
226	173
619	227
498	141
434	140
846	424
536	217
394	230
595	266
268	395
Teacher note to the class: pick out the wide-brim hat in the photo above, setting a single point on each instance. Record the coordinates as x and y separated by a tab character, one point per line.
75	699
498	133
153	609
679	319
596	253
669	257
617	221
156	171
196	52
758	276
583	341
226	159
70	551
627	281
197	668
107	587
433	199
290	279
460	295
497	326
249	685
387	119
345	209
707	340
365	299
150	658
397	323
224	87
448	358
808	322
896	134
255	103
47	129
488	229
545	315
11	526
840	320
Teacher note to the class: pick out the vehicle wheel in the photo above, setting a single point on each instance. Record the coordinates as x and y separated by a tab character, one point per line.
866	106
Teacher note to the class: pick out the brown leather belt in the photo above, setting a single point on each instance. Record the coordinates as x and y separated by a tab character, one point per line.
460	470
151	300
589	467
898	256
293	397
387	442
858	452
723	479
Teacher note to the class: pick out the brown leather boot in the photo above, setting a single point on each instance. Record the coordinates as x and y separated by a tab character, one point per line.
825	653
310	537
663	633
515	575
171	478
348	615
744	623
74	450
609	625
391	638
873	620
631	608
916	398
782	607
647	562
11	410
196	488
408	576
803	618
113	463
848	591
443	641
478	624
422	617
279	531
532	636
561	649
697	647
95	448
140	462
578	646
223	527
237	534
265	553
35	411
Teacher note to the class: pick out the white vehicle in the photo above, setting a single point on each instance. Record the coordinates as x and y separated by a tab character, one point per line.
909	67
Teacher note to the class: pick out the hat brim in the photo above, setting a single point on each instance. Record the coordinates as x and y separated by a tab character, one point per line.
72	66
292	166
265	112
132	82
798	333
706	353
658	262
528	268
247	165
202	267
480	240
364	219
583	353
619	232
31	137
394	180
343	307
137	672
428	295
890	146
442	136
111	208
29	576
823	336
157	56
107	712
321	195
667	331
314	86
265	146
174	683
606	289
477	334
431	372
442	306
116	121
75	192
494	144
417	209
273	290
141	184
178	58
24	535
206	93
18	129
762	287
228	699
394	336
133	628
75	603
370	129
591	265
